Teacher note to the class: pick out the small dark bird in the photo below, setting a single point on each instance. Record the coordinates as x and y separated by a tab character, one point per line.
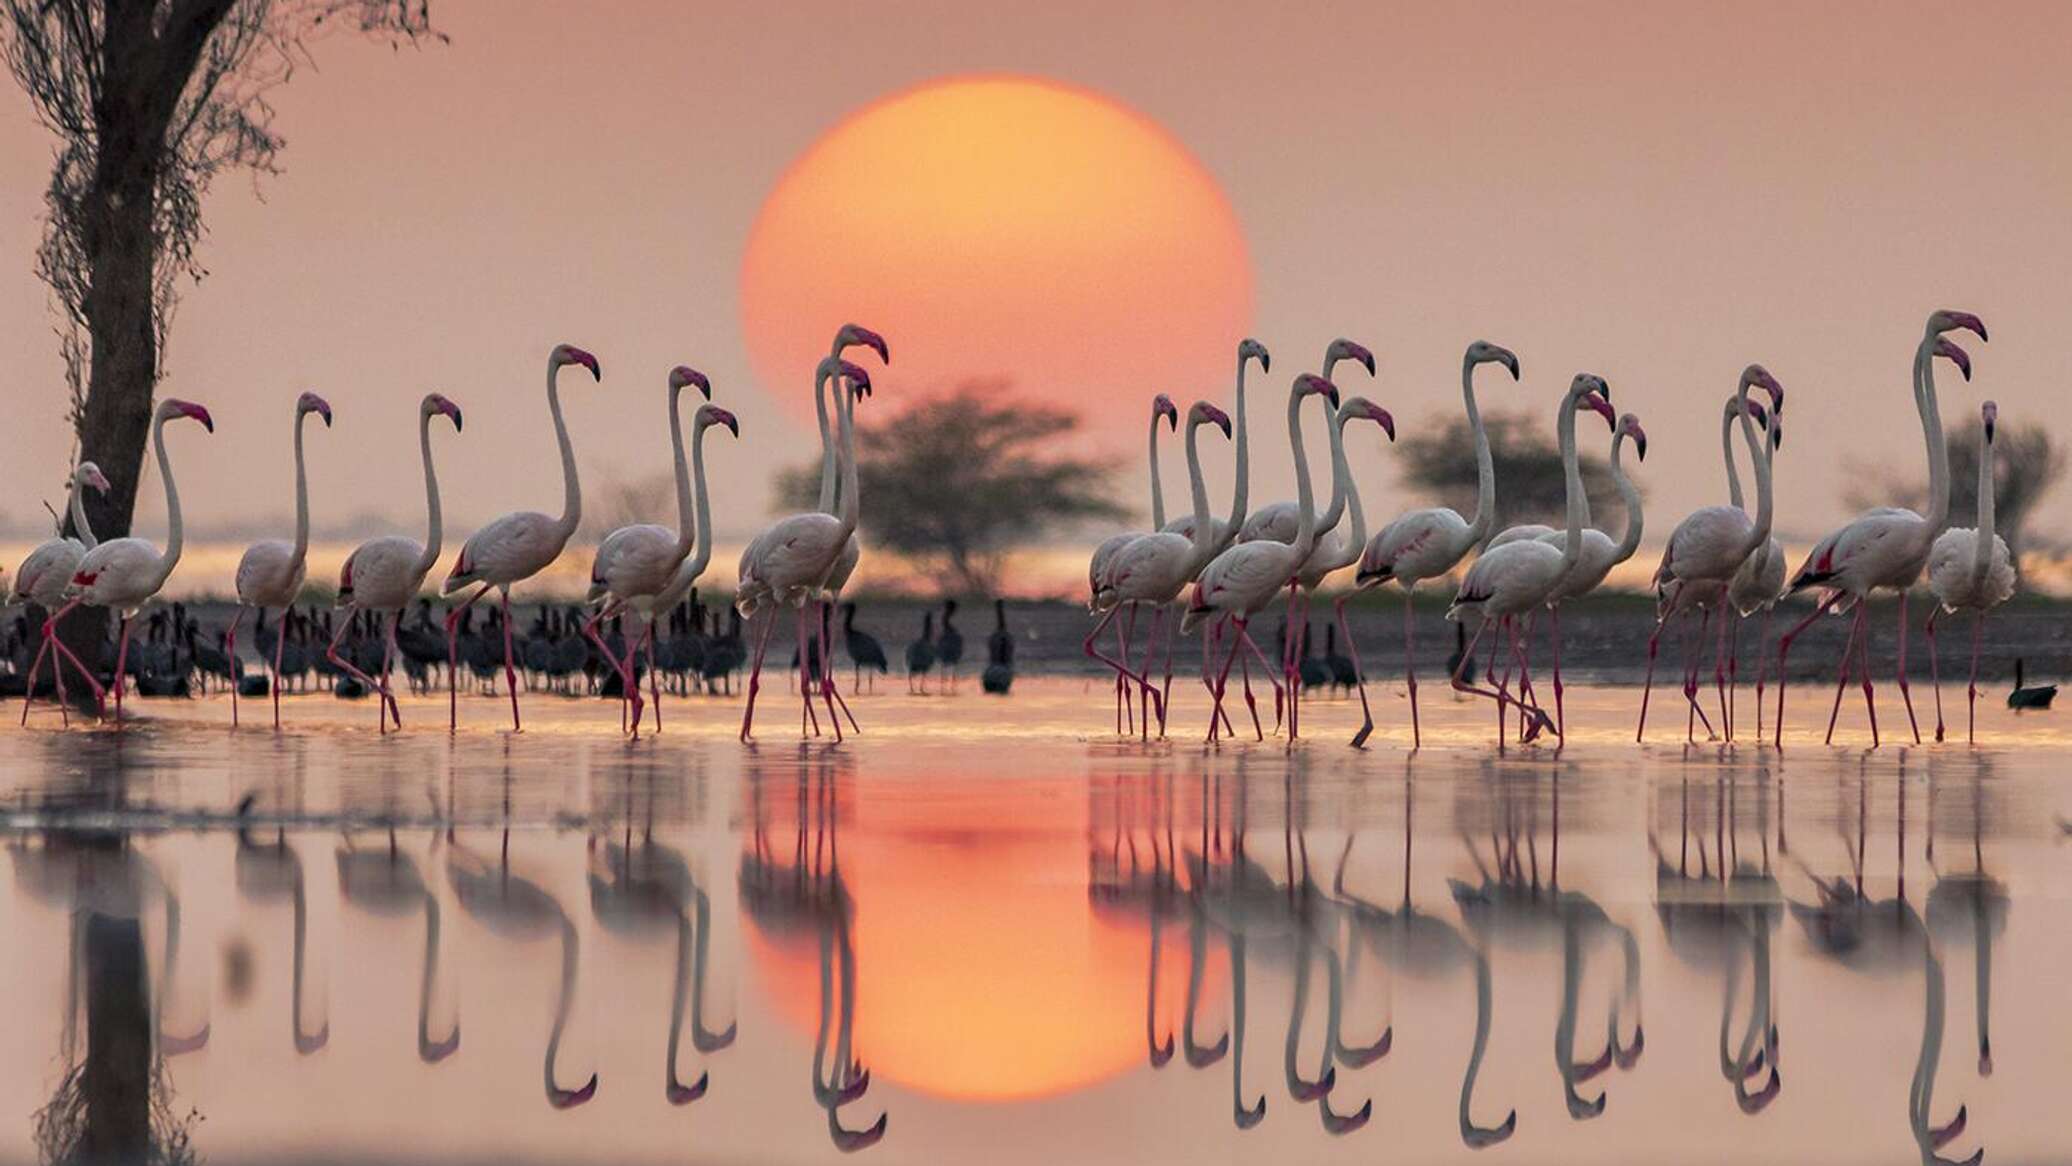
999	674
864	649
949	646
1312	672
920	655
2027	696
1343	674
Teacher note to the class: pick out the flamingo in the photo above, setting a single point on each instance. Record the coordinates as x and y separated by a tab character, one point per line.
1240	581
1886	547
1097	568
1708	547
1333	550
685	577
1970	570
126	573
634	563
1757	586
1425	544
1600	554
516	546
44	575
383	574
1154	567
1511	580
272	571
791	561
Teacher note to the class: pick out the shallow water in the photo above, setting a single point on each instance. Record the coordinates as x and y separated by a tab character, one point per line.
1027	938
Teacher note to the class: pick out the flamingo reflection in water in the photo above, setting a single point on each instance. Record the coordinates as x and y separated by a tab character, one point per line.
520	910
646	888
1129	892
268	872
1426	947
1884	938
808	894
1721	918
387	883
1514	909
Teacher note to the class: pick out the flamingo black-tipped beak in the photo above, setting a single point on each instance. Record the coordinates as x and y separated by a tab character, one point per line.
1477	1138
1510	362
681	1094
871	340
570	1098
1387	422
1363	354
850	1141
590	362
1161	1054
322	408
1339	1125
1954	355
432	1052
202	415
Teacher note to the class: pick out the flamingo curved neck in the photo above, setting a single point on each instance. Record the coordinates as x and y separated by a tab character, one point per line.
1629	496
830	467
433	526
1982	550
695	566
1938	445
851	507
564	1002
175	530
1204	538
81	528
301	551
1485	462
686	529
1759	532
1572	480
1341	474
571	488
1240	493
1356	530
1726	452
1305	497
1158	516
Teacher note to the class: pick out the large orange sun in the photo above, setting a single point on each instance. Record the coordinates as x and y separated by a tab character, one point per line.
1001	227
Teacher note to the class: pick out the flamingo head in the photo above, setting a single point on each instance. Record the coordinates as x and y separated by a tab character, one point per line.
1629	426
1948	321
1483	352
1755	376
683	376
859	380
1343	349
1603	408
1587	385
1989	415
435	403
311	403
1954	355
1310	383
90	474
570	354
1362	409
714	415
172	407
853	334
1162	406
1204	413
1250	349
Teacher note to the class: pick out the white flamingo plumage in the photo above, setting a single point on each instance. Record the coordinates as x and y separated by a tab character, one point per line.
126	573
1509	581
1162	409
1425	544
272	571
1599	554
384	574
1887	547
1705	551
1970	570
634	562
789	563
619	585
516	546
1152	569
1240	581
47	571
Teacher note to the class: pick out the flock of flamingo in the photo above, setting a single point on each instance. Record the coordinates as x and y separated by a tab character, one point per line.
1721	564
1198	571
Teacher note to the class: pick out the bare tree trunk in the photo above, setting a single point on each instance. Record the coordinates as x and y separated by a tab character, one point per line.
117	1074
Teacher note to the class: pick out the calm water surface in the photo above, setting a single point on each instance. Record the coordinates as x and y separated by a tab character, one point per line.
986	928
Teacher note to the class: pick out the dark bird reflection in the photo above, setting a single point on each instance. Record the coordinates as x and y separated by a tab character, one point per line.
789	899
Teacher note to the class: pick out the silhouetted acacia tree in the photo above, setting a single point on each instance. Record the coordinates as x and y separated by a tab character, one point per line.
961	480
1530	485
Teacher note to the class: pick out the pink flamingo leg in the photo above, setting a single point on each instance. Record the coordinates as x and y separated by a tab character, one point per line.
755	676
1222	686
1906	688
1123	636
1560	717
346	666
1733	671
65	654
1410	671
654	677
1122	668
1719	667
1523	659
829	692
806	713
280	640
29	690
230	650
1529	729
121	663
1762	668
1978	619
510	669
1870	703
1848	666
1648	686
1244	669
1148	696
1499	693
1359	676
1784	650
388	662
1265	669
626	681
1935	672
453	656
1092	653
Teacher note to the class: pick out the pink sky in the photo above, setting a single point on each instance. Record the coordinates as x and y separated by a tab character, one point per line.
1660	193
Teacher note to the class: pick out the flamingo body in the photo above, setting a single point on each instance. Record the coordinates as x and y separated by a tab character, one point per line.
271	574
120	574
1952	578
